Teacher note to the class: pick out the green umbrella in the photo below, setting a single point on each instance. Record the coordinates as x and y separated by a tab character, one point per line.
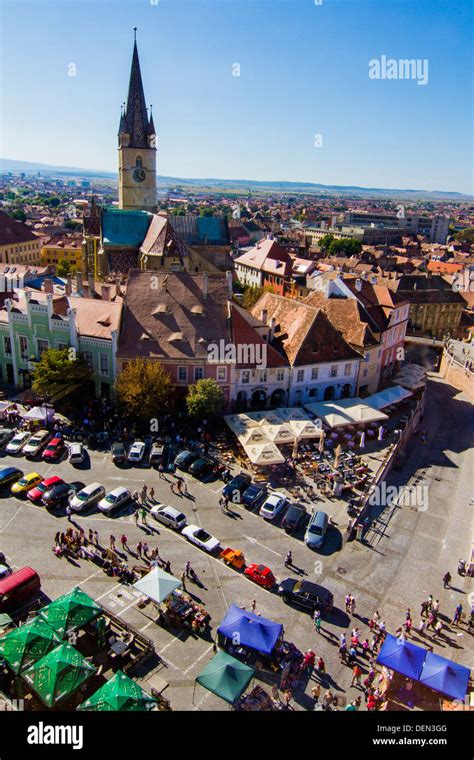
70	611
119	694
226	677
27	644
58	674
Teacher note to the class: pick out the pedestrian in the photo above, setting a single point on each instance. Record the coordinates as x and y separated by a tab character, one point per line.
253	605
91	536
187	568
447	579
123	541
136	515
183	580
424	608
145	549
352	605
347	601
139	550
431	620
356	674
167	567
69	513
317	622
112	542
356	634
435	607
161	471
143	515
152	494
430	602
143	494
135	496
342	653
316	693
288	559
438	628
288	698
457	615
96	538
365	647
351	656
328	699
421	627
321	667
56	538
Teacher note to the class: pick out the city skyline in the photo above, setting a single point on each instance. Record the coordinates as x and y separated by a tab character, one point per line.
240	109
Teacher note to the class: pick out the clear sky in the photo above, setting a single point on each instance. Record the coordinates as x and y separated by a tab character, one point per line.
304	71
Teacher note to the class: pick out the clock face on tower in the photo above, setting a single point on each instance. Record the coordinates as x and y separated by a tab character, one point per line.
139	173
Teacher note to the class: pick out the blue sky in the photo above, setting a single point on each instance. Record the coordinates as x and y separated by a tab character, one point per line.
303	71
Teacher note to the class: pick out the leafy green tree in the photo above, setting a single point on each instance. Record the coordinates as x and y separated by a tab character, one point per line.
204	399
325	242
344	248
19	215
251	294
144	389
465	236
54	202
60	369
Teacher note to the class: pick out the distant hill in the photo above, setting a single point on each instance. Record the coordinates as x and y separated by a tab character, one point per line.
210	184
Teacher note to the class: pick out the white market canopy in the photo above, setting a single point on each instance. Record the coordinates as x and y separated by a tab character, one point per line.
410	382
281	433
39	413
387	397
348	411
264	454
306	428
288	414
157	585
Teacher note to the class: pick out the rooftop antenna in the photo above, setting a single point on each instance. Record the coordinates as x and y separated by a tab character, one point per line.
135	33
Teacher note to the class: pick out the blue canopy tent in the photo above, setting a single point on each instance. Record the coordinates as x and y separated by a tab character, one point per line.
445	676
249	630
401	656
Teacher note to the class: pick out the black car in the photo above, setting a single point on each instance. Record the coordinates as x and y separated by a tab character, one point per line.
310	596
202	467
5	436
9	475
57	494
119	453
293	516
253	495
185	459
236	487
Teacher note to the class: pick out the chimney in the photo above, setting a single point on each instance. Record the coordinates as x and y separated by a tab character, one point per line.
118	289
263	316
48	286
92	287
105	292
79	282
205	284
85	290
228	275
68	285
271	334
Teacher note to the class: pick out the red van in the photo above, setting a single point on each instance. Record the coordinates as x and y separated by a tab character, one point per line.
18	588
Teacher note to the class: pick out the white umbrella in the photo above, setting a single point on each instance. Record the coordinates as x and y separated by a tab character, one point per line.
157	585
264	454
381	431
362	440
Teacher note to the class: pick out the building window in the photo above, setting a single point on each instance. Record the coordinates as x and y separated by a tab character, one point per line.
334	370
198	373
222	374
89	358
62	346
104	364
300	376
263	376
314	373
280	375
182	374
42	346
7	346
313	392
23	342
245	376
347	369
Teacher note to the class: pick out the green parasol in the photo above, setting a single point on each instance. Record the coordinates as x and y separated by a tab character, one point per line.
226	677
27	644
58	674
119	694
70	611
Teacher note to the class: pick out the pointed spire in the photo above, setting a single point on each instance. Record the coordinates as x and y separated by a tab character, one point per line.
135	117
151	126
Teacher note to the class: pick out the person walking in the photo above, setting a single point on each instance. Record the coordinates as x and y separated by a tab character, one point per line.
352	605
139	550
136	515
145	549
123	541
437	629
435	607
183	580
424	608
143	515
422	627
187	568
112	542
321	667
96	538
161	472
457	615
288	559
316	693
143	493
356	675
69	513
347	601
253	605
91	536
342	653
447	579
317	620
152	494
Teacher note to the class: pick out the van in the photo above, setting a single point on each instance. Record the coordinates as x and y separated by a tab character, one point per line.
76	453
316	530
18	588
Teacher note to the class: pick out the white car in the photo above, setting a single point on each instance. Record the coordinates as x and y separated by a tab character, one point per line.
201	538
36	443
136	452
273	506
86	497
17	442
116	498
76	453
169	516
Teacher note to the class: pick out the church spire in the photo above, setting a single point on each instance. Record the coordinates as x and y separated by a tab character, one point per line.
135	121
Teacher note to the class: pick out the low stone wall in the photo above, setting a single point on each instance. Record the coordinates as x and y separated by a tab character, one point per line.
457	375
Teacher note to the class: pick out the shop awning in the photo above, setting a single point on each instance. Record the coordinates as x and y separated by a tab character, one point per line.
27	644
226	677
389	396
250	630
70	611
157	585
120	694
402	656
445	676
58	674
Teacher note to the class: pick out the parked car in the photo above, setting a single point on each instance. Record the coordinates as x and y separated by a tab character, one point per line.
26	483
202	467
58	494
273	506
137	450
185	459
201	538
18	588
156	454
77	453
86	497
306	594
316	530
260	574
37	492
54	450
9	475
119	453
293	517
236	487
169	516
17	442
114	499
253	495
36	443
5	435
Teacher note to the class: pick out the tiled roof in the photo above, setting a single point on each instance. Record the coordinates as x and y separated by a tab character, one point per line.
96	318
244	332
267	256
162	239
13	231
201	230
422	289
125	228
345	315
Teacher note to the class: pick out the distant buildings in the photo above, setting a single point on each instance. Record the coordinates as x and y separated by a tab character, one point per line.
266	264
18	244
66	248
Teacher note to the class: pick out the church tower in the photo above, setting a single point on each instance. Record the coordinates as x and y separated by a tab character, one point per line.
136	146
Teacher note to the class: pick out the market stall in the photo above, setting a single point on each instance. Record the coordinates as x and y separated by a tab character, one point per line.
120	694
248	635
58	675
226	677
180	610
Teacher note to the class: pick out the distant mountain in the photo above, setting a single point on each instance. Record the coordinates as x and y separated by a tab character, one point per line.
213	183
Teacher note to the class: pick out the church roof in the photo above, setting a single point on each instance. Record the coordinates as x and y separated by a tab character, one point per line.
125	228
135	120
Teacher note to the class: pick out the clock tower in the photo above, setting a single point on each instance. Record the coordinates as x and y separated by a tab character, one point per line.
136	147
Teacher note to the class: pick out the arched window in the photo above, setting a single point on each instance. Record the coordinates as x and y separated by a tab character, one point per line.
139	161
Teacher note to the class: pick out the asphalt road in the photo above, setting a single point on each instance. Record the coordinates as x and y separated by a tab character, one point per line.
406	554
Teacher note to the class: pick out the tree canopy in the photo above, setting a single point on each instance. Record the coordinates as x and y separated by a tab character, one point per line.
144	389
205	399
60	369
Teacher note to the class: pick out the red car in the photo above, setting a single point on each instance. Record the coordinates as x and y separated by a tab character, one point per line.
54	449
37	492
261	575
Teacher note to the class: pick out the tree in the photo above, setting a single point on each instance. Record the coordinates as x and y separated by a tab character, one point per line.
465	236
251	294
144	389
325	242
60	369
63	268
205	399
344	248
19	215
